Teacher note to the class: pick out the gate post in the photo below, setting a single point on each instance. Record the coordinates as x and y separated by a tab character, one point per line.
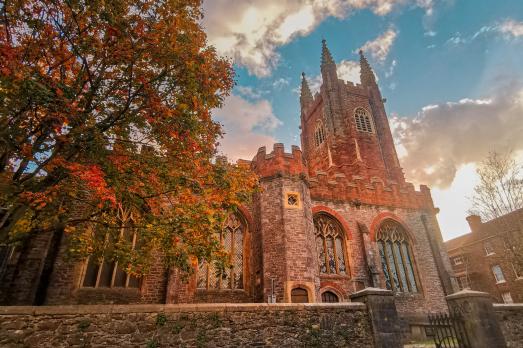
479	319
384	319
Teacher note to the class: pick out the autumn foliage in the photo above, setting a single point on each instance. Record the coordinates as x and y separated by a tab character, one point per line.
105	126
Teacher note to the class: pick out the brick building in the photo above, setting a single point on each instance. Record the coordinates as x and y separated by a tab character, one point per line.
484	259
330	220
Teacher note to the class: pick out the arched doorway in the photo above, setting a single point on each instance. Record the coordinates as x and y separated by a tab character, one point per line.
299	295
329	297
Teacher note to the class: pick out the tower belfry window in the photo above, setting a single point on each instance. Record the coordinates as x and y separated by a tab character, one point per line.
363	121
319	134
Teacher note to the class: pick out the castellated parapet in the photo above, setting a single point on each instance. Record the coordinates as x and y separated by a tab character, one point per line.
333	186
278	162
359	190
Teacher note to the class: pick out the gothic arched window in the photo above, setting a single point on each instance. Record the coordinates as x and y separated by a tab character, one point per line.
105	272
231	238
329	245
396	257
319	134
363	121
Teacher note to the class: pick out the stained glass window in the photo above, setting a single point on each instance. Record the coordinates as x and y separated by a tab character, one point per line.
209	274
329	245
363	121
396	258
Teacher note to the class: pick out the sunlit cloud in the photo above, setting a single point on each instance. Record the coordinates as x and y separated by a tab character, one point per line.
247	125
379	48
444	137
250	32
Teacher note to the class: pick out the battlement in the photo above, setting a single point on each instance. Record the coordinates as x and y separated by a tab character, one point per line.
278	162
375	191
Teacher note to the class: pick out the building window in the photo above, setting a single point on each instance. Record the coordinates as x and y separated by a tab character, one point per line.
457	260
396	258
363	121
106	273
507	298
463	282
498	274
210	276
330	245
489	249
329	297
292	200
319	134
299	295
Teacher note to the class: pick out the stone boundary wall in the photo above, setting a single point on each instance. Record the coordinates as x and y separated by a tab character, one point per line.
510	318
194	325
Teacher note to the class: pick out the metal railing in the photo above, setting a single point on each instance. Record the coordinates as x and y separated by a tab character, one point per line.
449	330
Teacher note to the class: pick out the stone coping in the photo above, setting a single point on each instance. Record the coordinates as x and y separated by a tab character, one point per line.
467	293
175	308
508	306
372	291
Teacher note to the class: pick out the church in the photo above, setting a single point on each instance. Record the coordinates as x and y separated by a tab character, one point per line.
331	218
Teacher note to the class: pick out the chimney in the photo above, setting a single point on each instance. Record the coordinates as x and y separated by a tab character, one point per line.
474	222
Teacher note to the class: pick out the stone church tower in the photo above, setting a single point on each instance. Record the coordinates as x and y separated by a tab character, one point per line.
329	221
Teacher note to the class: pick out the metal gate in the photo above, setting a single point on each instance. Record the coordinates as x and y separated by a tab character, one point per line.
449	330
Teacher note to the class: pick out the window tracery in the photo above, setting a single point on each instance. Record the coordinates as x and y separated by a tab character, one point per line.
396	258
363	121
105	273
231	238
329	245
319	134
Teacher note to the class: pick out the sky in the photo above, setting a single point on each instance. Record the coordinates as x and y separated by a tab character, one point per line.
451	71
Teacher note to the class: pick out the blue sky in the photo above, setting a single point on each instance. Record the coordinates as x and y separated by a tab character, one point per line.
452	73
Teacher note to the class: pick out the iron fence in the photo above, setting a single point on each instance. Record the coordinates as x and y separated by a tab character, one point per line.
449	330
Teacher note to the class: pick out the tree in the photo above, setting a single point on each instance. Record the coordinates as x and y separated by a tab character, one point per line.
498	194
500	190
105	127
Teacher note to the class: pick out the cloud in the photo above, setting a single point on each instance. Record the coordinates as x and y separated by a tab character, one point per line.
444	137
247	125
457	39
379	48
430	33
280	83
249	92
511	28
390	72
250	32
347	70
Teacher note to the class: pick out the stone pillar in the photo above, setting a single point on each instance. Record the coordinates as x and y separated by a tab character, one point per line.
384	319
481	323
